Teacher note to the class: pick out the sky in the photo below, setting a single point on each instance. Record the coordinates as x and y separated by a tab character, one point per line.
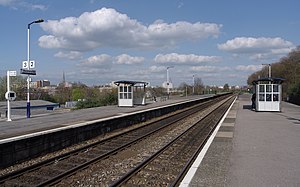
99	41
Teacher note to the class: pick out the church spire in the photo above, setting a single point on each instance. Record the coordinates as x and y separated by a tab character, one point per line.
64	78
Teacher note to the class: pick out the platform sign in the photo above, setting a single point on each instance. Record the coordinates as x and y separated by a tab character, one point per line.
25	65
10	95
28	72
12	73
30	65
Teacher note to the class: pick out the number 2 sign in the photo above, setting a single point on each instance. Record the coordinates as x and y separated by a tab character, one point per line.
32	64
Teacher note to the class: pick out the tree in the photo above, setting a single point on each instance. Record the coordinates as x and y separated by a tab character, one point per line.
63	94
18	84
157	91
2	88
199	86
288	68
78	93
226	87
185	88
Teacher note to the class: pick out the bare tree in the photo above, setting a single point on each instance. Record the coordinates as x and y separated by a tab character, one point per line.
199	86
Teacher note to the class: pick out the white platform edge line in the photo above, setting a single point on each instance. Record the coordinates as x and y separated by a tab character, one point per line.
91	122
190	174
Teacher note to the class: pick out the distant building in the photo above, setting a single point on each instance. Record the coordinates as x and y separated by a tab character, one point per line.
33	84
51	90
42	83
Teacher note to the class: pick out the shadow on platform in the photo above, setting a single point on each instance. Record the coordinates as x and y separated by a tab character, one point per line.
249	107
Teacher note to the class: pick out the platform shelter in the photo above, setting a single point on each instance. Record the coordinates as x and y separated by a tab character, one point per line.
131	93
268	93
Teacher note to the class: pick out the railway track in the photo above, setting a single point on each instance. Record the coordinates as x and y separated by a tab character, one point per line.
169	164
54	170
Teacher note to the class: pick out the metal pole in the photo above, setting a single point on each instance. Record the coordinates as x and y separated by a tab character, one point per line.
186	91
193	84
28	63
269	69
8	102
168	81
28	77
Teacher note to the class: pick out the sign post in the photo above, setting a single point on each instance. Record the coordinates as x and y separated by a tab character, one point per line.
10	95
28	69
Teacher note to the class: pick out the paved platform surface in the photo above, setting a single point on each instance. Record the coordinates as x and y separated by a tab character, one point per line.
20	125
253	149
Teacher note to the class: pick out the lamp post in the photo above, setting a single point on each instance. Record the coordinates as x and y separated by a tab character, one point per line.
168	82
193	84
28	61
269	69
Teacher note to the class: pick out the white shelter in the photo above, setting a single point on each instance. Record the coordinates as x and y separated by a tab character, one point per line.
268	93
131	93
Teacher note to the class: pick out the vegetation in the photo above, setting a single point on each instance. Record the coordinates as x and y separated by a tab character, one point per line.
198	87
288	68
87	96
18	84
107	99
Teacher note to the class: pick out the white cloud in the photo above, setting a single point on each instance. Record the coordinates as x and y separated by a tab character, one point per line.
180	4
209	69
257	48
249	45
34	7
97	61
71	55
127	59
108	28
16	4
52	42
105	60
157	69
175	58
248	68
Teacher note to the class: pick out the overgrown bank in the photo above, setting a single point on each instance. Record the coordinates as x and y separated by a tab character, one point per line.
288	68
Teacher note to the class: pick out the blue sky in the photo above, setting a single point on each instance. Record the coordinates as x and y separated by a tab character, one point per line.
100	41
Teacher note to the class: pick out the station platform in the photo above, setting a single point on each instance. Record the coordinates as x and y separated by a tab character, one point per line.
26	138
251	149
20	125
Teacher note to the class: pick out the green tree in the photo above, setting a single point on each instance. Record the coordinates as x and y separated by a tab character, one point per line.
288	68
18	84
78	93
226	87
63	94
